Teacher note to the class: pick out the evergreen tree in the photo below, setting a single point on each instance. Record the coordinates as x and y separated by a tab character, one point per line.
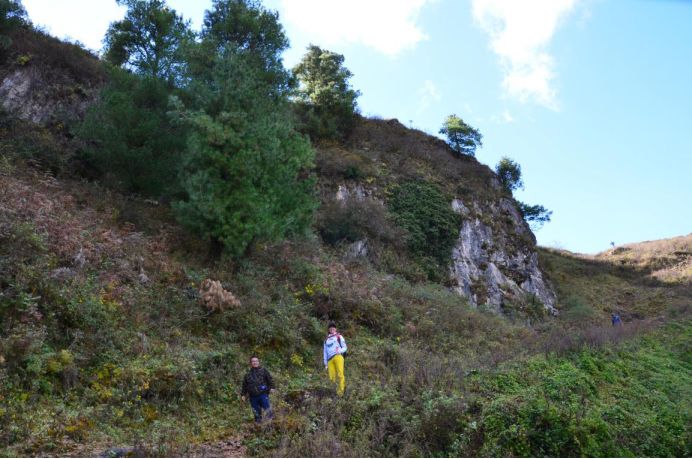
509	173
535	215
131	141
461	137
251	31
246	174
12	15
150	40
326	101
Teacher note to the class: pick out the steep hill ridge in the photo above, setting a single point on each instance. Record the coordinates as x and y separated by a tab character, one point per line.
669	260
494	259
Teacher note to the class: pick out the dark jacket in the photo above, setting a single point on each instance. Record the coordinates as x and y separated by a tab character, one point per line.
257	381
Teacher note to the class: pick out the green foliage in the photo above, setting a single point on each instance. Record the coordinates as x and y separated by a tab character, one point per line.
425	213
325	100
355	220
246	172
509	173
535	215
12	16
461	137
593	404
25	142
252	32
576	309
130	139
150	40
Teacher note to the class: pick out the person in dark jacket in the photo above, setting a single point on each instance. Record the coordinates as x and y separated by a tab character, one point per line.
615	319
257	385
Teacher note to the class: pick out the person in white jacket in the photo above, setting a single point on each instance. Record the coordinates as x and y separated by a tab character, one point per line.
334	350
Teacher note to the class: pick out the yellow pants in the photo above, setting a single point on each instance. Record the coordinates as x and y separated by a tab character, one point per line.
336	372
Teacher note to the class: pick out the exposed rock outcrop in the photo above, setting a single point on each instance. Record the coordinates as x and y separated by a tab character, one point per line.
494	261
46	81
490	271
25	94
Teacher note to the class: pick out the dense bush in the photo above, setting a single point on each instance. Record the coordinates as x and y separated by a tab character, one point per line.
23	142
130	139
355	220
426	214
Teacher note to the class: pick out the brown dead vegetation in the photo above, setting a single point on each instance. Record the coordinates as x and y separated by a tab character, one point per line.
215	297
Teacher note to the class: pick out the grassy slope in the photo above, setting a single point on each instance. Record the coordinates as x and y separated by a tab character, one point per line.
669	260
100	358
103	341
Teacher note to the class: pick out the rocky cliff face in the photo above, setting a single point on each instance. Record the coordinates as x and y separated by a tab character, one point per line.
493	263
46	81
26	94
494	260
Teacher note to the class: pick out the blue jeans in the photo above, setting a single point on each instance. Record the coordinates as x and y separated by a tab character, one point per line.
259	403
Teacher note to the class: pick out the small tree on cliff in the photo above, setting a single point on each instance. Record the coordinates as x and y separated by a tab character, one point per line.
325	99
461	137
535	215
509	173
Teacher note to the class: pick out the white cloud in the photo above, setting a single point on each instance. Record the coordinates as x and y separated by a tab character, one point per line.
428	95
83	20
507	117
388	26
520	32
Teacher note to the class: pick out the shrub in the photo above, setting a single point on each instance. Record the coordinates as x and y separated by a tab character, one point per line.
355	220
24	142
426	214
130	139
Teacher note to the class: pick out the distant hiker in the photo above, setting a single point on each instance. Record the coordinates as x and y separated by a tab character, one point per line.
257	384
615	319
334	350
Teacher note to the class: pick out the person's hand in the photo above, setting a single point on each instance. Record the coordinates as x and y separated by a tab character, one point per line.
272	390
326	367
242	397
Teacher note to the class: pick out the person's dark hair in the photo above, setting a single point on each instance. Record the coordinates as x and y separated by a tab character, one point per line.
254	357
331	324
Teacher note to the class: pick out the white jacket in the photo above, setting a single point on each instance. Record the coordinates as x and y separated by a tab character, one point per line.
333	345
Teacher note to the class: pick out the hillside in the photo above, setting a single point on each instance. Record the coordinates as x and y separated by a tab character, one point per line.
106	341
669	260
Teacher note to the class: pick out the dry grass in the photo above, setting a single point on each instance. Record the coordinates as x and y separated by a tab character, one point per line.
669	260
386	152
81	227
590	288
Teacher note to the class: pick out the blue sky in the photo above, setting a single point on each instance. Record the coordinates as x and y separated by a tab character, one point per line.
591	97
